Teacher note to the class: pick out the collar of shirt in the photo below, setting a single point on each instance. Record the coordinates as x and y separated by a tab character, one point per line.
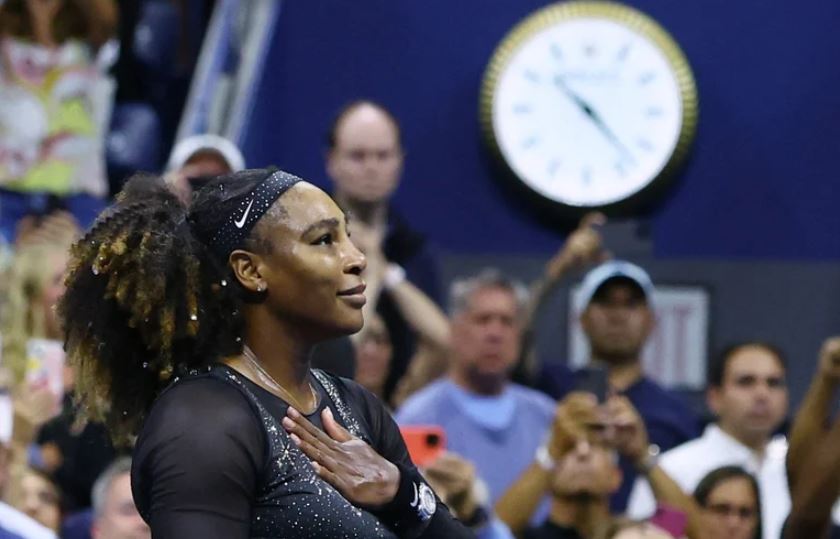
493	412
775	449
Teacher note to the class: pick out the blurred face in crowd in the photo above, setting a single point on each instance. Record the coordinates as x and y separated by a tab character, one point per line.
206	163
119	518
731	510
200	168
752	400
643	530
366	162
588	469
486	335
373	355
53	289
617	321
40	500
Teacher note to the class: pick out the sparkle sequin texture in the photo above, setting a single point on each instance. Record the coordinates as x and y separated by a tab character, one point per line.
250	210
292	501
341	407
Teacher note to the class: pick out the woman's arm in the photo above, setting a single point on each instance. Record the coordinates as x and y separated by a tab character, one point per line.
197	463
424	317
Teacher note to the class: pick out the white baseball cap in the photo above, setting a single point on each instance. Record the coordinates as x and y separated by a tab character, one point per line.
611	270
188	147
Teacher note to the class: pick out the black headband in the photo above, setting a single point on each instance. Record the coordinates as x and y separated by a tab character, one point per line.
252	208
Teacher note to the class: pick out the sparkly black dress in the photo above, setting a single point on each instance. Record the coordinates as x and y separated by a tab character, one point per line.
213	461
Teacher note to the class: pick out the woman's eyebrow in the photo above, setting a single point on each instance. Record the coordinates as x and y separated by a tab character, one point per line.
331	223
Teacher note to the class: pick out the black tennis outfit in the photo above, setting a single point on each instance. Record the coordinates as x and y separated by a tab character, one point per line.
213	461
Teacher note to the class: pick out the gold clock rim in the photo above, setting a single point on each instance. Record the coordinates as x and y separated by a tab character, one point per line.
629	16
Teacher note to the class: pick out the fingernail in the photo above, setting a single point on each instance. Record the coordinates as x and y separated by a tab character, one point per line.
291	412
288	423
295	439
329	412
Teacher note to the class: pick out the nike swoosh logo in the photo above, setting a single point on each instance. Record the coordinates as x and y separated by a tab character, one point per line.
240	223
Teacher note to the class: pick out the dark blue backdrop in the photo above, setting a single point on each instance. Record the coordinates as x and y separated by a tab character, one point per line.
761	179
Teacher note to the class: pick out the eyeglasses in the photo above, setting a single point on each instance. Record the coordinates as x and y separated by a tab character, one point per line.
725	510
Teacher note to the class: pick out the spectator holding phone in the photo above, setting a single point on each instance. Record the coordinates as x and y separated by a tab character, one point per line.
578	466
617	319
46	433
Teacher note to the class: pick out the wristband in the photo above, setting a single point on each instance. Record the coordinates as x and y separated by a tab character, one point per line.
394	275
413	505
649	461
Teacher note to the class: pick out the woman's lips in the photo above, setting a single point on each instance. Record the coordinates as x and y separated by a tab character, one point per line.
354	296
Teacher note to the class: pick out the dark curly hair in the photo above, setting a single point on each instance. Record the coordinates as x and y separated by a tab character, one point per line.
147	300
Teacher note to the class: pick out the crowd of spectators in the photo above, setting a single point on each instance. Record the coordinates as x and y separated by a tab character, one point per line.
549	455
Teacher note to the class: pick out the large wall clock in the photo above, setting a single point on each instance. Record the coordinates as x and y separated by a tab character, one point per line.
590	104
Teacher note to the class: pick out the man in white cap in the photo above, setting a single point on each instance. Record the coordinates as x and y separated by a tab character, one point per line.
617	320
197	159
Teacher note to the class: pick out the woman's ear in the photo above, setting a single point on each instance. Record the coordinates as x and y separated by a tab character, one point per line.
246	269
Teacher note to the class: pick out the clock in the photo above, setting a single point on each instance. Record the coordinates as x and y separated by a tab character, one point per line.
590	104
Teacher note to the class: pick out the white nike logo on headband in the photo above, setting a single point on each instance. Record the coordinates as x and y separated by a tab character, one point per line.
240	223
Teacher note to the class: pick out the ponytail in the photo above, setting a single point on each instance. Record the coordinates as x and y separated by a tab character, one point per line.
145	302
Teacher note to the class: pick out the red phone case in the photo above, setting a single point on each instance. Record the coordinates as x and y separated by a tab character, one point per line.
424	442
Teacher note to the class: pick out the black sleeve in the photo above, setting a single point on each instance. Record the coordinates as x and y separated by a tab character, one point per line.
197	462
388	442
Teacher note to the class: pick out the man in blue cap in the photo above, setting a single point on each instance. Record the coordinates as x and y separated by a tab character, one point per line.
617	320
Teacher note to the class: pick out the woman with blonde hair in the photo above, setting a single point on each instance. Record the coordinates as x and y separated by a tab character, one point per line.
34	284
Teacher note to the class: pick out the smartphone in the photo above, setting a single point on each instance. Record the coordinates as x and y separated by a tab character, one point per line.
45	368
425	443
593	379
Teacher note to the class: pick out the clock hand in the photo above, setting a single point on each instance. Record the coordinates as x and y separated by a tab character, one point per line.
593	115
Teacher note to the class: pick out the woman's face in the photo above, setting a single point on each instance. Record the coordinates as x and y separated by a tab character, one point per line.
53	289
39	500
311	270
731	510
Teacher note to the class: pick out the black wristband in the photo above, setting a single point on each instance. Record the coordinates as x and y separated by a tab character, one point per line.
412	507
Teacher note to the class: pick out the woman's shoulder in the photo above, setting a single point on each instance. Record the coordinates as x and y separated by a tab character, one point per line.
201	403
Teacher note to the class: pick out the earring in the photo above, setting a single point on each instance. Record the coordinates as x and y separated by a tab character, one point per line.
260	287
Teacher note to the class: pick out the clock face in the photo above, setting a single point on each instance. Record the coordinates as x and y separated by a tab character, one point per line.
588	108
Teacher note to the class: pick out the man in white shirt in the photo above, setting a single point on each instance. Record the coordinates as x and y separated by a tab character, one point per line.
748	394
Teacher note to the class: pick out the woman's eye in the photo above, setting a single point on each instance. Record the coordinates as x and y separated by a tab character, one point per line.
326	239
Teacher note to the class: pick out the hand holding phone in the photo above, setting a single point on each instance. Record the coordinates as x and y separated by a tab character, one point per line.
593	379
